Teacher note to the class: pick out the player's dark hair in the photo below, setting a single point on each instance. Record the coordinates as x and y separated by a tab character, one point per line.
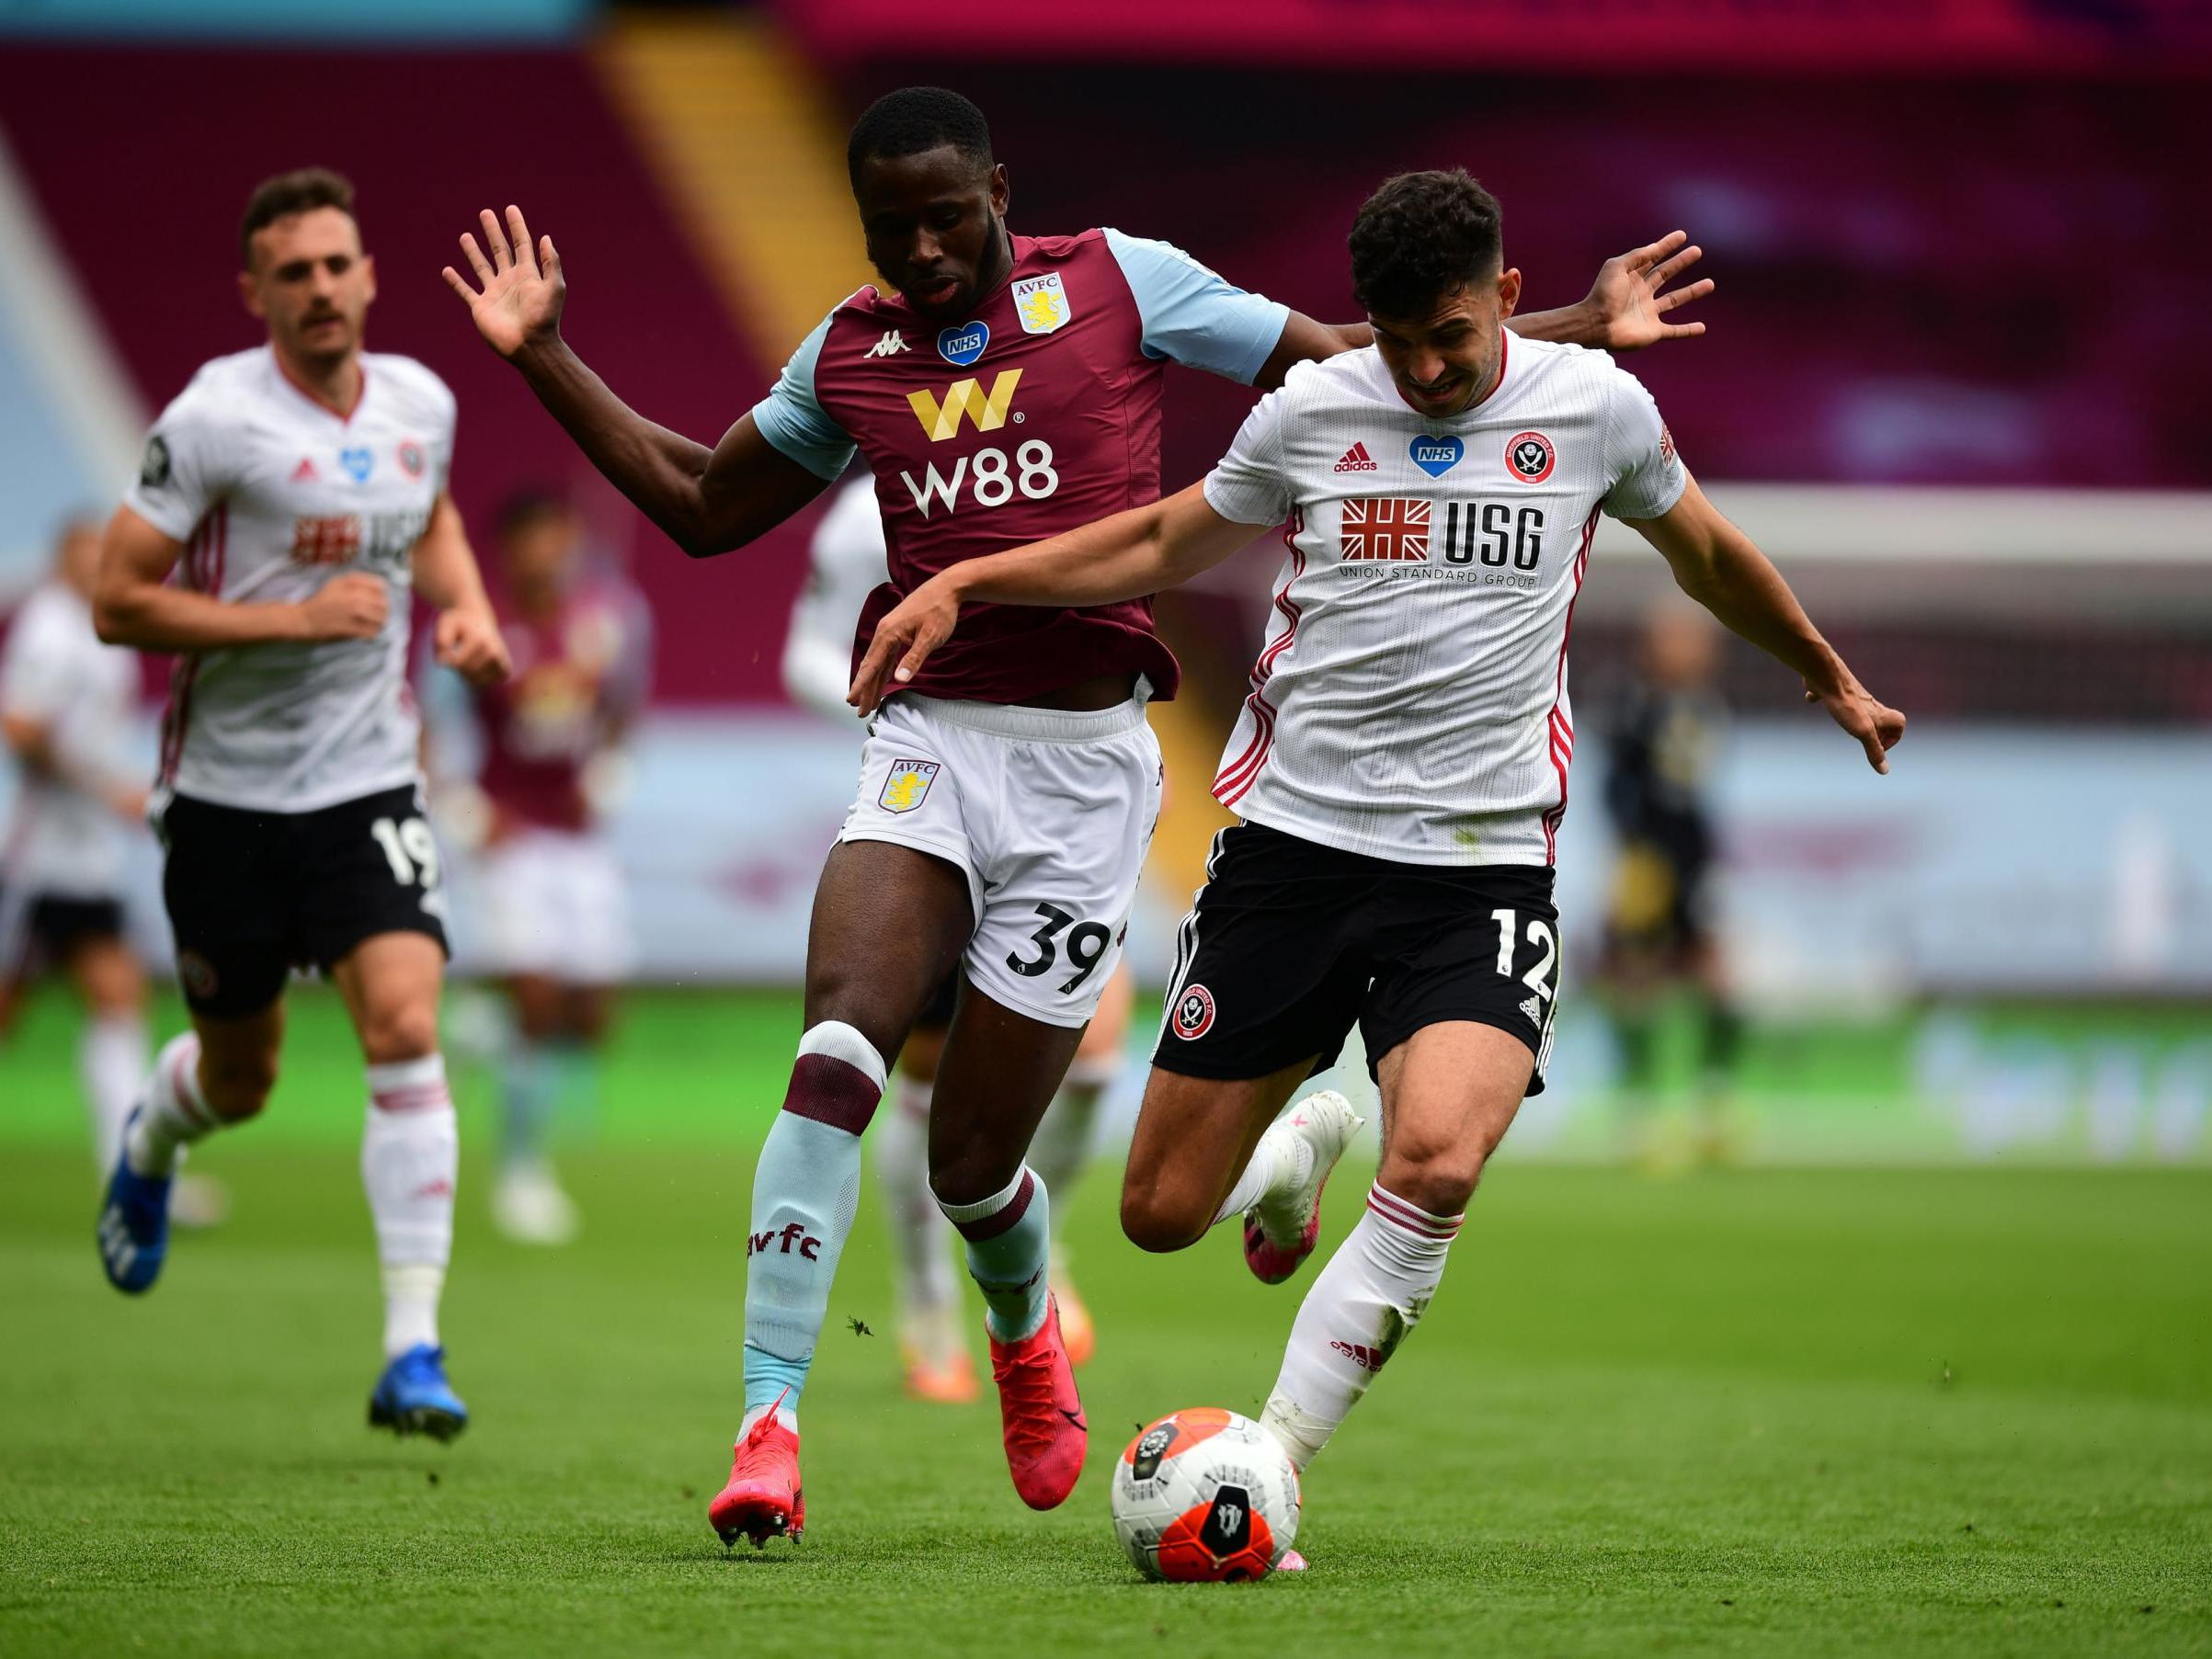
914	120
528	508
288	193
1420	238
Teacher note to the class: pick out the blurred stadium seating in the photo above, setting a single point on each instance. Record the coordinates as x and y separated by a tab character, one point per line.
1953	379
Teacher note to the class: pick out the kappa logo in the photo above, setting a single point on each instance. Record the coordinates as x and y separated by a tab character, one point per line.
908	784
1531	1010
965	400
1529	457
890	345
1042	305
1356	460
1193	1014
791	1232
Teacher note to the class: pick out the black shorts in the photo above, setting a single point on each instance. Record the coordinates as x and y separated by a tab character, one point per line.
252	896
1292	941
43	930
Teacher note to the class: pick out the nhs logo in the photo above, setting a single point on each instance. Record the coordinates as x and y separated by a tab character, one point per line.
1437	455
964	343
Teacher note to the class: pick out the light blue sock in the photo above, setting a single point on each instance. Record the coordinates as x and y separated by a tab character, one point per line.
530	1090
1010	1246
805	1189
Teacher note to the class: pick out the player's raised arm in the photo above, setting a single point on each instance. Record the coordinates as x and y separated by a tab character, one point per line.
1125	557
134	604
1625	310
1723	570
706	501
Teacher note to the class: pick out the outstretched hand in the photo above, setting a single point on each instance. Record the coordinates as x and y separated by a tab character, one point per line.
523	289
1631	300
920	622
1879	727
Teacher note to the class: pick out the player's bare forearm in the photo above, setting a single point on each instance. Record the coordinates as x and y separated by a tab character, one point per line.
1721	568
446	573
132	603
1128	556
1567	324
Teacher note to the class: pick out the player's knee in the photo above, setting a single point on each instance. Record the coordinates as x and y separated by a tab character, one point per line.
404	1031
1159	1218
1439	1177
237	1086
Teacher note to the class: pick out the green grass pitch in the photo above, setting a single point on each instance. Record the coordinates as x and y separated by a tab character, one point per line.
1774	1412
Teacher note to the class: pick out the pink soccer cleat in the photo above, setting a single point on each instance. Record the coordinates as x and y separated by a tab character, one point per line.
1279	1230
763	1499
1040	1413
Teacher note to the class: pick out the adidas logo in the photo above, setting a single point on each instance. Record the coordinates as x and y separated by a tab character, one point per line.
304	473
1361	1355
1356	460
890	345
1531	1010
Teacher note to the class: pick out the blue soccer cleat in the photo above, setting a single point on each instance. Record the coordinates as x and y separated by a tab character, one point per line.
133	1230
413	1397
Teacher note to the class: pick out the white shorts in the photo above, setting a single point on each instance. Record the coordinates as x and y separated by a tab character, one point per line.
1047	814
555	906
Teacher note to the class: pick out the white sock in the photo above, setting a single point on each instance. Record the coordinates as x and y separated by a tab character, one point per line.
111	1061
410	1158
1281	1163
1374	1290
1060	1147
921	1252
174	1113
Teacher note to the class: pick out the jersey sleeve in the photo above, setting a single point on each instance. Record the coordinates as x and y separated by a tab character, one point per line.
36	681
181	473
1647	477
791	417
1250	484
1193	316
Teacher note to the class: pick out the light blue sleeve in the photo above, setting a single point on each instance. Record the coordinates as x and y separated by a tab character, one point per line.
1191	315
791	417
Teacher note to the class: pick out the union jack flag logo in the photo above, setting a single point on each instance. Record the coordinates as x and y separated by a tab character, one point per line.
1385	526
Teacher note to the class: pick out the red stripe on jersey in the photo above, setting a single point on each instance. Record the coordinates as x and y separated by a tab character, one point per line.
1556	814
1238	775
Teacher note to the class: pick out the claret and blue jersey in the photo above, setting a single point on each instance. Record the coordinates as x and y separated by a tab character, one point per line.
1037	414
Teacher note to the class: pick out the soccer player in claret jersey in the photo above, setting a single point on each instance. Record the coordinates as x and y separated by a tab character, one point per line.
1001	388
556	912
1400	764
302	486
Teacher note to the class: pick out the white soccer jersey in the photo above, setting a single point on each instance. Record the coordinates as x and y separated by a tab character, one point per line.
1410	702
848	564
56	673
274	495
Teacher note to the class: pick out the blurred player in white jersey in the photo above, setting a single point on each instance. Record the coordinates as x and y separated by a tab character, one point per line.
65	707
302	488
1400	764
556	911
848	564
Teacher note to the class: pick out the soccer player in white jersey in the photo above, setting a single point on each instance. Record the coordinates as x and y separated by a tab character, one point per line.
302	487
848	561
67	702
1400	764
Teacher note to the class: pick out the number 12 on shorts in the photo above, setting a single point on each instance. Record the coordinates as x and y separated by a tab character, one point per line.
1542	976
1086	947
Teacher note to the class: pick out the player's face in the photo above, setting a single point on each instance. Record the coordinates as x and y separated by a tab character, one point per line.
310	283
1444	361
541	557
935	226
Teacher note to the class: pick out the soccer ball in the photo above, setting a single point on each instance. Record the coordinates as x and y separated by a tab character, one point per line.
1204	1496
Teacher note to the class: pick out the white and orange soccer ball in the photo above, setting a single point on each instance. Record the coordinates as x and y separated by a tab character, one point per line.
1204	1496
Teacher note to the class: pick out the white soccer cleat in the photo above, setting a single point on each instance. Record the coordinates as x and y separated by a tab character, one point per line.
530	1207
1279	1230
